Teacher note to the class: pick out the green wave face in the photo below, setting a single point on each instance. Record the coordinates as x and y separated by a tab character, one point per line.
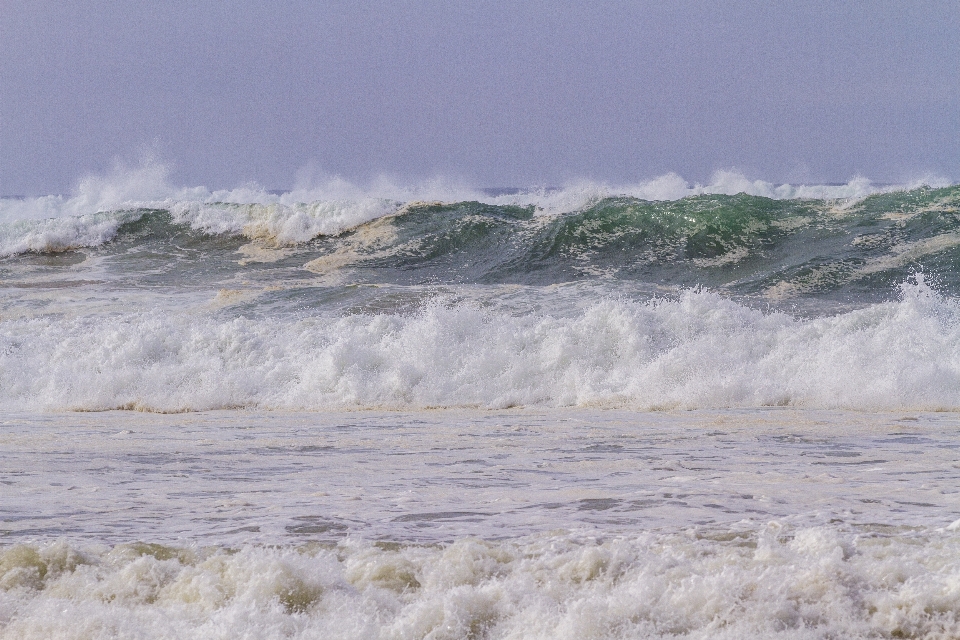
775	250
616	237
752	245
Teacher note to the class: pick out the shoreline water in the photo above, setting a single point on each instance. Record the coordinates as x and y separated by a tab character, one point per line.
570	523
238	477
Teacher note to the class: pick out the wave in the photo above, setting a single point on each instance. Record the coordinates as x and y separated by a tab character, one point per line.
63	233
698	351
776	250
768	583
783	247
334	206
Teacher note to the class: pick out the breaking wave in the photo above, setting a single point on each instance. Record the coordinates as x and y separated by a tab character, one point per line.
698	351
101	204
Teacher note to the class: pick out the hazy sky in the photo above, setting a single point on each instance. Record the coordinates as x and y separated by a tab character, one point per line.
494	93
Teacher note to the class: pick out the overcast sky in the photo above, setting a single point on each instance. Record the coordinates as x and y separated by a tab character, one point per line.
494	93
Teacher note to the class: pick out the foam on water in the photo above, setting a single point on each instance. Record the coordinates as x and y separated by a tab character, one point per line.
771	582
698	351
61	233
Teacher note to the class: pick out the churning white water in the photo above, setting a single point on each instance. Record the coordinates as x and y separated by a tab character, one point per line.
585	524
656	411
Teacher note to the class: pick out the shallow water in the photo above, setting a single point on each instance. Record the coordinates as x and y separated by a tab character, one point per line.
232	478
498	524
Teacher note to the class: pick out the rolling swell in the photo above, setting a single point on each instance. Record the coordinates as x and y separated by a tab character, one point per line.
749	245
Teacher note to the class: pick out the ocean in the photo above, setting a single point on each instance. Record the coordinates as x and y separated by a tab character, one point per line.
658	410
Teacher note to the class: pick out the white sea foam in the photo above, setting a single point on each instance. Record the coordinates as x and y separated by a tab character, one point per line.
61	233
144	186
696	352
767	583
281	224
